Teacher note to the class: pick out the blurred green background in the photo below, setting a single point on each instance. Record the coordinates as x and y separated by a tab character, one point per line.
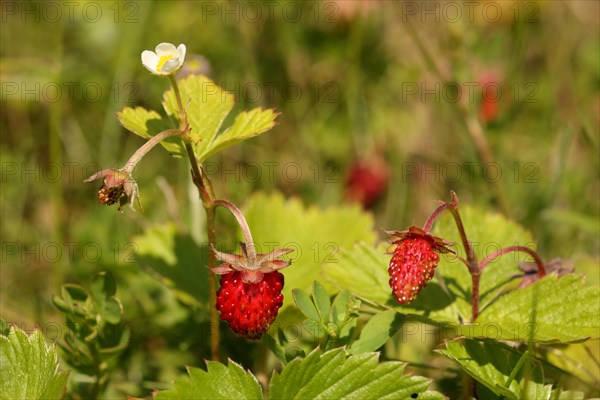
498	101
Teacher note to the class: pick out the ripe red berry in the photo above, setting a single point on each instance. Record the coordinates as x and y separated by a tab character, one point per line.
250	308
367	182
250	294
411	267
415	256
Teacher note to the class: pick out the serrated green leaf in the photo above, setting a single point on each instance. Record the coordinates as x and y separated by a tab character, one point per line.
363	271
246	125
206	105
178	260
377	331
219	381
316	235
492	364
149	123
322	302
550	310
29	368
305	304
488	232
333	375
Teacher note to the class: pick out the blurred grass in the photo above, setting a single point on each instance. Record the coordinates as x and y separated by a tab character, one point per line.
342	85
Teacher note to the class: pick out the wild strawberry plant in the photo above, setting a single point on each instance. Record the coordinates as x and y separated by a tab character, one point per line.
315	287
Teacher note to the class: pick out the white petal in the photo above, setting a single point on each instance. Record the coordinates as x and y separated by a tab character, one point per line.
165	49
149	59
170	66
181	52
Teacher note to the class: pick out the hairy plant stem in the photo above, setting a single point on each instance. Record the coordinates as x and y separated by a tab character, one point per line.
146	147
536	258
471	261
434	215
183	122
207	195
237	213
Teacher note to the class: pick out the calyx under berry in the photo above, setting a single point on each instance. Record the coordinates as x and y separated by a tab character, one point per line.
118	185
439	244
251	265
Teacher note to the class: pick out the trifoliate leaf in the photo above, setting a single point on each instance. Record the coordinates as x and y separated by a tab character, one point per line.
148	123
334	375
503	370
219	381
29	368
207	105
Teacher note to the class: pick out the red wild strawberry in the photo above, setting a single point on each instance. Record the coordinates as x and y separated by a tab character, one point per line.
367	181
250	294
250	308
413	264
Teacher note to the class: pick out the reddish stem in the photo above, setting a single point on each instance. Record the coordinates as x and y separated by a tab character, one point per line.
146	147
541	268
475	295
243	225
471	261
435	215
471	256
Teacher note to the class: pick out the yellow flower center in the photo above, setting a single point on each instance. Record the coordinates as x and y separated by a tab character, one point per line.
163	60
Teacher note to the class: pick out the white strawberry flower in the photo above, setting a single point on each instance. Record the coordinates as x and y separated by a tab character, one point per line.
166	60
